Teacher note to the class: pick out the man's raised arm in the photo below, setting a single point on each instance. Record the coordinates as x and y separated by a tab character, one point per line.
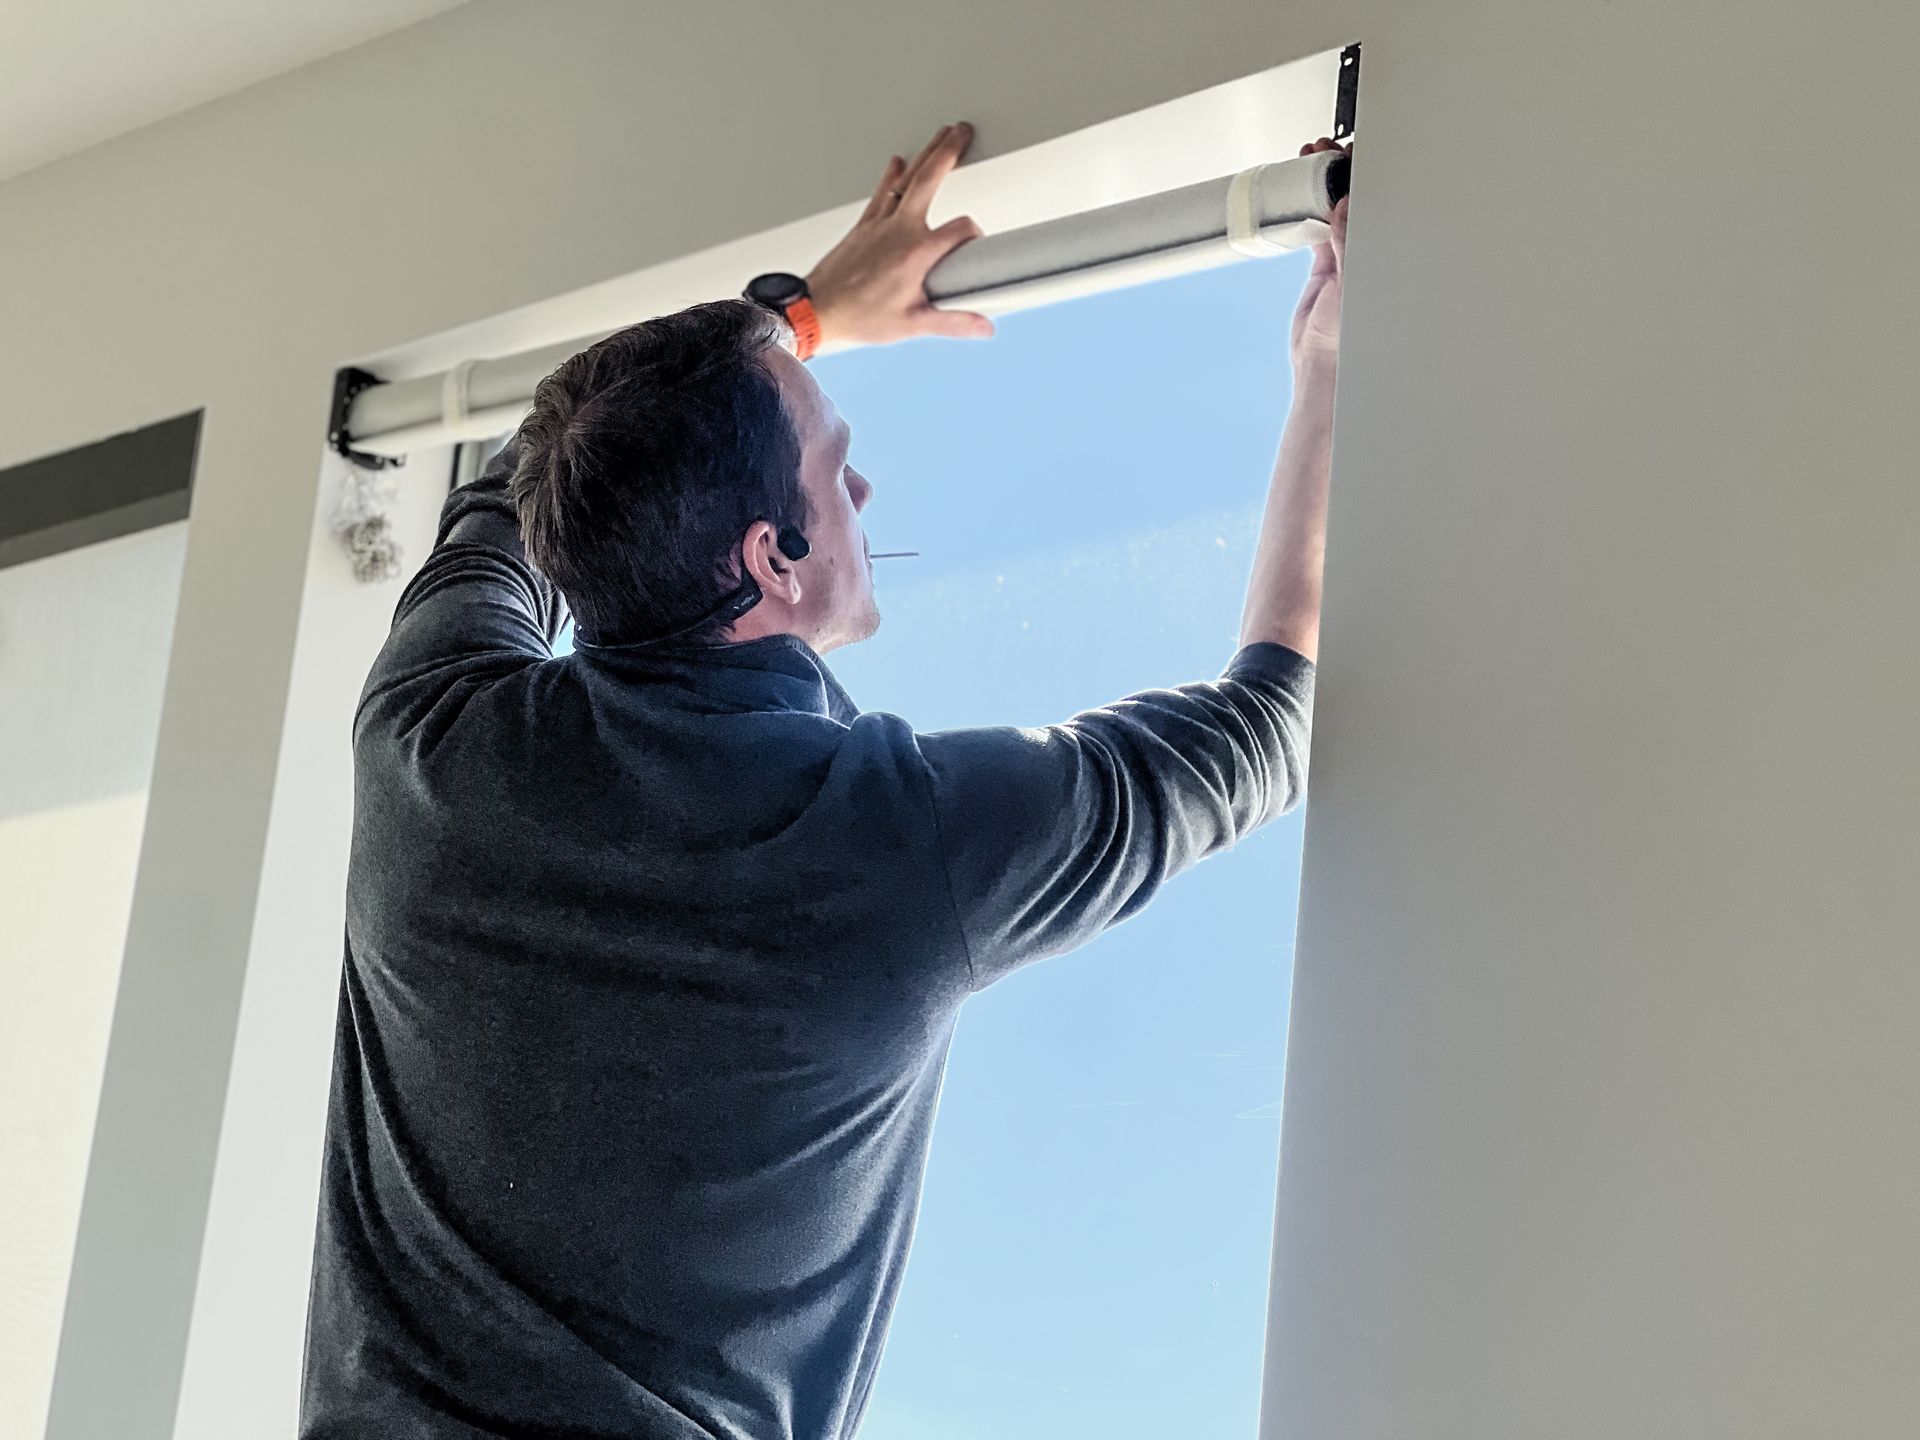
476	608
1283	597
1051	835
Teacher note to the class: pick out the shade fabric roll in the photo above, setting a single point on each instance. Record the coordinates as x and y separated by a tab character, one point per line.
1138	240
1281	205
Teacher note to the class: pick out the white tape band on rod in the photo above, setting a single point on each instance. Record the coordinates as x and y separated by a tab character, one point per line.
1243	216
453	394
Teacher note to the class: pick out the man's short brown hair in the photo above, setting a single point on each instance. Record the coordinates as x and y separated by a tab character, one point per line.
645	459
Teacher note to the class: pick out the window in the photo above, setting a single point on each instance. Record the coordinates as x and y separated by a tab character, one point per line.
1085	490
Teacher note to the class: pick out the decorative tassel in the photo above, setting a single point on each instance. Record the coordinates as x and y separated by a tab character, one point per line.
360	520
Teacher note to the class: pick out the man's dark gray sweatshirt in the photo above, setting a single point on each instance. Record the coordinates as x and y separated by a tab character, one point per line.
652	961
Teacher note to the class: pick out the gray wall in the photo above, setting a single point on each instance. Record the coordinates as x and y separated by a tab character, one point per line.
1598	1119
83	652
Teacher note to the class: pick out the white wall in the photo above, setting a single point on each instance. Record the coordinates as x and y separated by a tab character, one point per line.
1598	1117
251	1298
83	657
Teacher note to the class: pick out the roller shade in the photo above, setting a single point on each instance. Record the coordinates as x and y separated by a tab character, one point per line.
1263	210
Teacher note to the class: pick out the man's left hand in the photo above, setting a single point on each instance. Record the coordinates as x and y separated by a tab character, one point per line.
871	288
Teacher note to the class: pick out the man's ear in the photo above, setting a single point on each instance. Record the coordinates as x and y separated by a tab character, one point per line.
772	571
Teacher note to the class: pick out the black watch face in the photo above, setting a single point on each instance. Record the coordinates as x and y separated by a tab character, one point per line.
776	291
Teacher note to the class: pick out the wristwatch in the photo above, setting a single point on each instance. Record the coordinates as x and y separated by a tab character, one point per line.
787	295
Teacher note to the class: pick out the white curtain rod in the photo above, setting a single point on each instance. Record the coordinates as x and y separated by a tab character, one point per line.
1262	210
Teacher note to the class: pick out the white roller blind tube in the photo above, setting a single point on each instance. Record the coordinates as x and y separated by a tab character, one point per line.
1264	210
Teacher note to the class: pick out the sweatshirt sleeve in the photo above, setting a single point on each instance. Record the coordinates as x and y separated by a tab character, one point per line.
1051	835
476	609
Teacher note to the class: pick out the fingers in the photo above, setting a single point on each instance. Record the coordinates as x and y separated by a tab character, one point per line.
939	137
952	235
895	177
882	201
955	324
1331	256
934	164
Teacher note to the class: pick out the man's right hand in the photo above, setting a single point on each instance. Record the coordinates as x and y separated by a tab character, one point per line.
1316	324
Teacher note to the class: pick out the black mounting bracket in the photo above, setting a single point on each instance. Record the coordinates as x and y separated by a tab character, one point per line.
1347	100
349	381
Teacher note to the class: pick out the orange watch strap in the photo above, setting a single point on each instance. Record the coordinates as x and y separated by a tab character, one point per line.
806	326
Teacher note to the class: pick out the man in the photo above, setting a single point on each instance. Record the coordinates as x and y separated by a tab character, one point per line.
654	950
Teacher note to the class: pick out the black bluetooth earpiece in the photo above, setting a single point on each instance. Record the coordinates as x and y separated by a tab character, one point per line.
792	544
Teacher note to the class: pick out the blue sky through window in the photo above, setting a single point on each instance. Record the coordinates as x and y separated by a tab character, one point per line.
1085	488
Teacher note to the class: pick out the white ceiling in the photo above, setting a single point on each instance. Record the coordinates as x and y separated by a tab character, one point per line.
76	72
